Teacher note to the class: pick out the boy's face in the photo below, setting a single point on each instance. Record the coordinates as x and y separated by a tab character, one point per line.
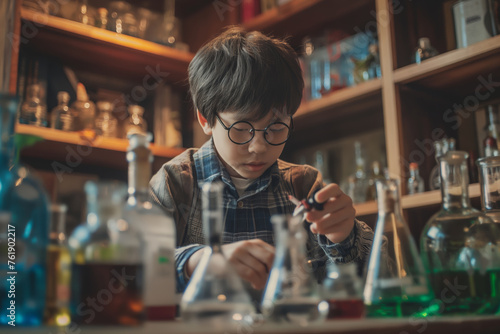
249	160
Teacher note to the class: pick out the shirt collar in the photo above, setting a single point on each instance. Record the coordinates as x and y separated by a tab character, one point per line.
209	168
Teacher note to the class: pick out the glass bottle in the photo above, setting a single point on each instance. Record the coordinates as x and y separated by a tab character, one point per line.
215	295
58	270
292	293
343	288
424	50
415	183
441	147
84	109
396	284
135	123
489	179
101	20
121	18
360	179
169	29
107	271
82	13
106	123
34	109
24	217
157	230
62	116
321	164
376	174
490	142
460	246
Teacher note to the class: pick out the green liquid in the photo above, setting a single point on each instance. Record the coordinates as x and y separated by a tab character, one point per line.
461	292
399	307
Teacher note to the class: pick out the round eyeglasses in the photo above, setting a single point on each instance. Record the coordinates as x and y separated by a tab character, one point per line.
242	132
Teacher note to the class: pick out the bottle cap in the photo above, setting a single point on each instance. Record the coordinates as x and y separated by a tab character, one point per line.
63	96
424	42
413	166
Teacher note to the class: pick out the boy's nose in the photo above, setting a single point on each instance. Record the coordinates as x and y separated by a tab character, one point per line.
258	143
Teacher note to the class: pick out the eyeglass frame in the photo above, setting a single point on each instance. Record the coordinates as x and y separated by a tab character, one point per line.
290	128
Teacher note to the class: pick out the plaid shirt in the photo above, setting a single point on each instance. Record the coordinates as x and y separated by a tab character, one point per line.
177	188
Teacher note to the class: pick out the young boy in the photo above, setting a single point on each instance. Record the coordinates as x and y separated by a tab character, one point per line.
246	88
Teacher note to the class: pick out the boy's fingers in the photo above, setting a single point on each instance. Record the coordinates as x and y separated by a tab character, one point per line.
329	191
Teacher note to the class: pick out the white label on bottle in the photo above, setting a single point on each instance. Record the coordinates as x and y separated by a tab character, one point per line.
470	25
159	289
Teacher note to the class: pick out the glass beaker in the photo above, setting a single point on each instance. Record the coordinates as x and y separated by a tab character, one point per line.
215	295
343	288
107	261
396	284
460	246
489	178
292	293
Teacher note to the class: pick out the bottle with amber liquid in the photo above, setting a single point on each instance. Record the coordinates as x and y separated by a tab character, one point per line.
58	270
107	279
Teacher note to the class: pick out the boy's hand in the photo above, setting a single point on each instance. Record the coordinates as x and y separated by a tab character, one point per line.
336	220
252	260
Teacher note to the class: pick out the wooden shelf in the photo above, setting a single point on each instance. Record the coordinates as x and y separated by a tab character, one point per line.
103	51
76	147
457	67
414	201
284	19
367	208
340	98
433	197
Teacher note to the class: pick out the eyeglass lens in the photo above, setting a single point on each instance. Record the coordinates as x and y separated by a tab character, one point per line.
275	134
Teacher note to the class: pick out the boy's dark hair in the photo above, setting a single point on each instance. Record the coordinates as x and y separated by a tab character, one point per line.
245	72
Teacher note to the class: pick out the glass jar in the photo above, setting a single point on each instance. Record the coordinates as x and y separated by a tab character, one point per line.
489	178
106	123
84	110
121	18
461	246
135	122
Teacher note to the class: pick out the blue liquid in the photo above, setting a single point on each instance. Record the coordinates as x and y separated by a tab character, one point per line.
26	205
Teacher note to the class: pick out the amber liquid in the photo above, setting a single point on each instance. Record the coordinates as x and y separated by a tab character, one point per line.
346	309
107	294
58	286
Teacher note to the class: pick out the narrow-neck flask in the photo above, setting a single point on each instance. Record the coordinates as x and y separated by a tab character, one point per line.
460	246
62	116
157	230
34	109
106	123
215	295
292	292
396	285
489	178
24	216
107	271
58	270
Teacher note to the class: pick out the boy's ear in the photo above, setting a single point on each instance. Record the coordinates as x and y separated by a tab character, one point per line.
207	129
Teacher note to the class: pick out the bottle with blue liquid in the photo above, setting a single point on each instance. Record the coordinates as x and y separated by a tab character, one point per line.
24	224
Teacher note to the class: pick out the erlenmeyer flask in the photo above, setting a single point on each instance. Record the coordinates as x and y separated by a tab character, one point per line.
292	293
396	284
461	246
215	296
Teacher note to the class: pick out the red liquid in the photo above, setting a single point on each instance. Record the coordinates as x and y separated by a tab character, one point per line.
159	313
346	309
